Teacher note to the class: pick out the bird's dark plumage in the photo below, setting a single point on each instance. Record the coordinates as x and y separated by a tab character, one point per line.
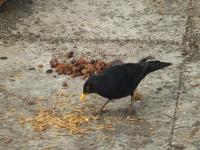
121	80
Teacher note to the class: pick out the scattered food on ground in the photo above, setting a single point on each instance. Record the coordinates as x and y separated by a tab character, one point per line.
81	66
76	122
134	118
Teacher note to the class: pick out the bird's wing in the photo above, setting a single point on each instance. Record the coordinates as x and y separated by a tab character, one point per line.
125	78
134	73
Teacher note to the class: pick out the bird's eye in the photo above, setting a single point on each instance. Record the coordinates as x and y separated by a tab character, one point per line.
88	88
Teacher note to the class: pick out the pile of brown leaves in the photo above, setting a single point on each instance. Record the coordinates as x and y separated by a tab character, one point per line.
81	66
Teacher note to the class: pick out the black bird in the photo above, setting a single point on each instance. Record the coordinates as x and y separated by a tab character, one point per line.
121	80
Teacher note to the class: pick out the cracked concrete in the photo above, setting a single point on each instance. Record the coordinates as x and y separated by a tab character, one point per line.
31	32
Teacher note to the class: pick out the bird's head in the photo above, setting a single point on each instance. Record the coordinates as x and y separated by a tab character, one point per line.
87	89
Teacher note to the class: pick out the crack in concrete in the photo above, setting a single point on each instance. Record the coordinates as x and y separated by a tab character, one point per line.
30	37
190	51
170	145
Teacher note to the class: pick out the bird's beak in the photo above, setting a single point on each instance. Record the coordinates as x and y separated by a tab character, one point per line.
83	96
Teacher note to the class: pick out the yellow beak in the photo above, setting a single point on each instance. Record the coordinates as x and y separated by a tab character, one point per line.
83	96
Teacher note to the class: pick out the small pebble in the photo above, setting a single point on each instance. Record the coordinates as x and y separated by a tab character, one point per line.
54	76
31	68
159	89
3	57
64	84
70	54
49	71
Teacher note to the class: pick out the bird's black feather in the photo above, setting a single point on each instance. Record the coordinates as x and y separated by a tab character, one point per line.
121	80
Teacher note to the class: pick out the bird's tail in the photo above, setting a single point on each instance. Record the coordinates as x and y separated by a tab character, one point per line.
156	65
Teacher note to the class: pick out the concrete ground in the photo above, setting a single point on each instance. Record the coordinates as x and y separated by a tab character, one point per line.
31	32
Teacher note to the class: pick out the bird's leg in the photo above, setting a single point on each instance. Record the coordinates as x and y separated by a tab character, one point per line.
131	107
101	110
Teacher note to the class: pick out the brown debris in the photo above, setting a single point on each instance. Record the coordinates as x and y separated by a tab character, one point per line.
81	66
60	68
137	96
64	84
40	66
53	63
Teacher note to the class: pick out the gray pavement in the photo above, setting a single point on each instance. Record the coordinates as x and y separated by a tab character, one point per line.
32	32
